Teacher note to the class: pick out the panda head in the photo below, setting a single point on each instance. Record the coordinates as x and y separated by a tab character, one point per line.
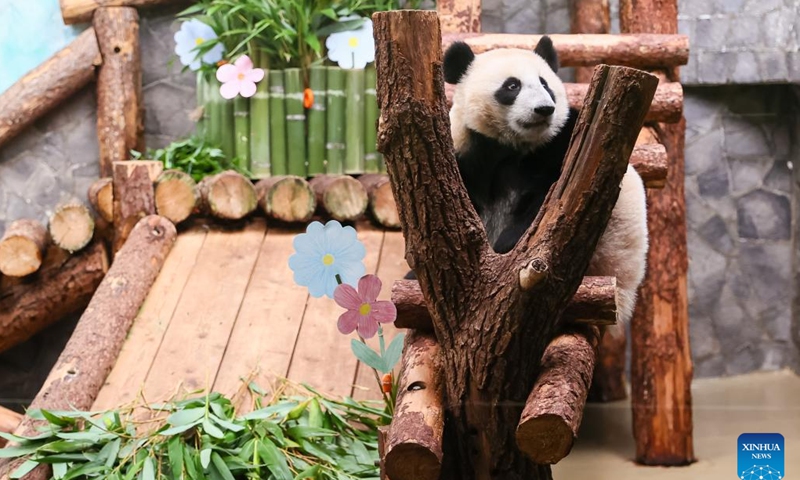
511	95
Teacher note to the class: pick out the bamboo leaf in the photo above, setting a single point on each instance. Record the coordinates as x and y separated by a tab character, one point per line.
175	455
212	429
221	467
24	469
274	460
59	470
185	417
310	472
205	457
149	469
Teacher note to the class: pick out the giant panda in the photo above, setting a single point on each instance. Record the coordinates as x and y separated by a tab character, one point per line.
511	125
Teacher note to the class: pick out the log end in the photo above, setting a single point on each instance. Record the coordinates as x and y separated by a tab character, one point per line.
412	461
345	199
383	207
176	196
291	200
71	227
230	196
546	439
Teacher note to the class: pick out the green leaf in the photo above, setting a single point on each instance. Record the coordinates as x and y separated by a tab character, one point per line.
343	26
178	429
59	420
315	416
367	355
24	469
297	411
222	468
310	472
301	432
175	454
361	453
59	470
205	457
233	427
274	460
394	351
186	417
212	429
148	469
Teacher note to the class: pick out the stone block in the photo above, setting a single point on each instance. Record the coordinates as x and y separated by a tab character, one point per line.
747	174
715	232
779	177
704	342
714	181
764	215
715	68
746	68
711	34
706	273
167	110
744	136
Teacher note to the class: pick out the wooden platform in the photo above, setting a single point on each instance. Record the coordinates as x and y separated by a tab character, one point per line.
225	307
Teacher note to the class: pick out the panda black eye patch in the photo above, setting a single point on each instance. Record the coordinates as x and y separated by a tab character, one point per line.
547	88
507	93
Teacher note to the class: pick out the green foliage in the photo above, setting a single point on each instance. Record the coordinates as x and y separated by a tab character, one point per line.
384	361
194	156
295	437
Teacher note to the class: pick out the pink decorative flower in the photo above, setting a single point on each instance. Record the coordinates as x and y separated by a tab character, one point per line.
239	78
364	310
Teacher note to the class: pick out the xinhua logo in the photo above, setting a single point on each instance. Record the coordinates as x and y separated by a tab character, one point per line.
761	456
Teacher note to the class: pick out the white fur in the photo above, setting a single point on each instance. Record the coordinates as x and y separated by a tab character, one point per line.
475	108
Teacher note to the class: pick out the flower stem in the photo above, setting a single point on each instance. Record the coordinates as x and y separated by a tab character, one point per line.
386	399
339	281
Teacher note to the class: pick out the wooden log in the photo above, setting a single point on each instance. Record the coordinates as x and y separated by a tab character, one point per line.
341	196
589	16
79	11
459	15
71	226
176	195
383	434
667	104
101	197
22	248
650	162
227	196
608	381
287	198
640	51
661	362
133	196
91	351
594	303
63	286
120	127
382	207
45	87
9	421
552	415
414	444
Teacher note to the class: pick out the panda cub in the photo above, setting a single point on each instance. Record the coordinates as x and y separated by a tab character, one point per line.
511	126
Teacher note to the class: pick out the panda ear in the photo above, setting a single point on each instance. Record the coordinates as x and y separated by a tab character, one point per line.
546	50
456	61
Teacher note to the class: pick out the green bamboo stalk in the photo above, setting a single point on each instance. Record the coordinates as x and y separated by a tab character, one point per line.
335	127
259	125
277	123
295	122
227	130
213	101
316	121
241	125
202	122
372	158
354	122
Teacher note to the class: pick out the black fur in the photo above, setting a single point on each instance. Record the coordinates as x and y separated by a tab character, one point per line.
457	60
494	173
546	50
508	92
547	88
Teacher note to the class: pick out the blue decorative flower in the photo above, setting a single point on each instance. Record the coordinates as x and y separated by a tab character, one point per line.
352	48
189	37
324	252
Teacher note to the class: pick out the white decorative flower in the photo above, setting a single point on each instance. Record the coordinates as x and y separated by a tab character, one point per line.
353	48
189	37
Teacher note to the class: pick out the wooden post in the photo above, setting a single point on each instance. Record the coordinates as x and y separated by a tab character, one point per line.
133	196
589	16
64	285
413	449
484	315
92	349
459	15
120	126
661	363
49	84
101	196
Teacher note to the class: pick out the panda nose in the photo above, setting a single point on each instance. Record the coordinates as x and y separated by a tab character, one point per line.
544	111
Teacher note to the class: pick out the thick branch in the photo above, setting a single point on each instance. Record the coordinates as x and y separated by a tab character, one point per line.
78	11
49	84
133	196
594	304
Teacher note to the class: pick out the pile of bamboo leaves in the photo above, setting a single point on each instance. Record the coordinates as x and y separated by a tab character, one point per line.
193	155
294	437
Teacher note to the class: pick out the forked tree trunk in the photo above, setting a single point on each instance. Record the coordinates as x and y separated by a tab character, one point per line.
493	315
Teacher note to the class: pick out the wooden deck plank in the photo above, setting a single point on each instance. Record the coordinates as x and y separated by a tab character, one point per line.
195	341
322	357
261	344
392	266
130	370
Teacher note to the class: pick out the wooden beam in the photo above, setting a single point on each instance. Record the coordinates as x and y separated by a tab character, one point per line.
120	127
650	162
642	50
459	16
134	196
588	16
45	87
79	11
9	421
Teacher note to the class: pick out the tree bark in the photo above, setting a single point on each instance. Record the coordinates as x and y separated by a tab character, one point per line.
492	331
661	363
71	226
553	412
176	195
382	207
45	87
79	11
22	248
589	16
608	381
88	357
120	127
101	196
227	195
341	196
594	303
413	449
650	162
286	198
133	196
587	50
64	285
459	15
